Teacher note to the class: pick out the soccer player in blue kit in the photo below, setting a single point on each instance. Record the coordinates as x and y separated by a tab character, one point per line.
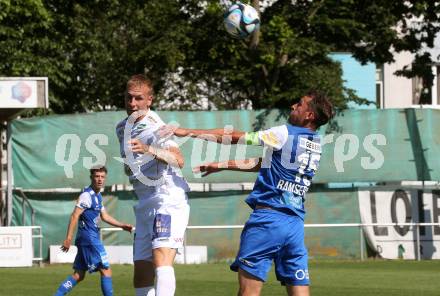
91	254
275	229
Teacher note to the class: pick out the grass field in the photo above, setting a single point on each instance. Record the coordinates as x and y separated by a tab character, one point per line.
403	278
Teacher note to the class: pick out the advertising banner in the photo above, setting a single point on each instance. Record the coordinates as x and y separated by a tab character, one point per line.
18	94
364	146
15	246
397	206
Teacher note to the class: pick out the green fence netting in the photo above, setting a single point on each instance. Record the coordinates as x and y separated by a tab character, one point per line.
360	146
52	212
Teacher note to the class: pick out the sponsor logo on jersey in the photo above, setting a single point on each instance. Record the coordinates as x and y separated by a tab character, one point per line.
96	221
151	119
290	199
97	201
141	126
309	145
294	188
270	139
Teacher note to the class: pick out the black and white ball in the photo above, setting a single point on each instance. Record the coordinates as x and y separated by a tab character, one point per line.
241	20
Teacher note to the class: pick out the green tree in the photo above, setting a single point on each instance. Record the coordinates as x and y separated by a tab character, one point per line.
110	40
30	45
270	72
89	48
291	52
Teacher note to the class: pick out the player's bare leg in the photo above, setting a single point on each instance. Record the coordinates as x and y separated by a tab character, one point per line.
79	275
106	272
298	290
164	256
249	285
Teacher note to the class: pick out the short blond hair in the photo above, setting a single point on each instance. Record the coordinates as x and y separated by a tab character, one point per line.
138	80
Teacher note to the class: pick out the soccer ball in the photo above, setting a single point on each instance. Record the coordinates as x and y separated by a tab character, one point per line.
241	20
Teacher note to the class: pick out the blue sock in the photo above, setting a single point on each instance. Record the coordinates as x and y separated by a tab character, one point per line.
66	286
106	286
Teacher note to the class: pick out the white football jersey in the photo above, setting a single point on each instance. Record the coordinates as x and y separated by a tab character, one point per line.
145	165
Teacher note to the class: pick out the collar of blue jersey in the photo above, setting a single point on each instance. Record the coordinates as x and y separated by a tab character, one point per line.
90	190
301	127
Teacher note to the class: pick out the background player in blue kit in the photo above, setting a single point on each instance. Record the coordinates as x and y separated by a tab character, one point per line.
91	254
275	229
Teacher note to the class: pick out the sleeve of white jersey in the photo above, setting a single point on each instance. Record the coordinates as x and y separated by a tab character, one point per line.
168	143
274	137
164	143
84	201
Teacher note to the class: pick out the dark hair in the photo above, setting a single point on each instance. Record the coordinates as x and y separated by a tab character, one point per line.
321	106
140	80
98	169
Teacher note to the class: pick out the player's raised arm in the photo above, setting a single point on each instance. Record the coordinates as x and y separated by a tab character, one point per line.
246	165
274	137
218	135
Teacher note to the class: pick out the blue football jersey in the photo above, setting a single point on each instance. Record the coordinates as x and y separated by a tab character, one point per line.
88	229
291	159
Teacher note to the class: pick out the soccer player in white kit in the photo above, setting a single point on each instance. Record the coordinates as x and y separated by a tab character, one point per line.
162	212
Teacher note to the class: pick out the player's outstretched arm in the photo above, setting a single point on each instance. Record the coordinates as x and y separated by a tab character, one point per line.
171	155
71	228
218	135
246	165
112	221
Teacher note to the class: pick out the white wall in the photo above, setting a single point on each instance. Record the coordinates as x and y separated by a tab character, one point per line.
124	254
397	90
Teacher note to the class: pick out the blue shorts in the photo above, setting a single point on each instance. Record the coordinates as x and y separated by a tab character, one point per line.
91	258
272	235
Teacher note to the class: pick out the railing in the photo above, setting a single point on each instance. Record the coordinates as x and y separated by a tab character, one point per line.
38	235
24	201
359	225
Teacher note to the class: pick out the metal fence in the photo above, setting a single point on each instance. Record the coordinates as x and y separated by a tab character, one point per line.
358	225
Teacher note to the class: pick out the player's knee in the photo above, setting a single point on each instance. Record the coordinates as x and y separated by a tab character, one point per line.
298	290
249	285
248	291
106	272
78	276
164	256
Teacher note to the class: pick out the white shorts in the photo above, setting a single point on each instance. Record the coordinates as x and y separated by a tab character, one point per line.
161	221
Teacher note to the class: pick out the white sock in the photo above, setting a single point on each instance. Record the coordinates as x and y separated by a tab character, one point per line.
165	281
145	291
